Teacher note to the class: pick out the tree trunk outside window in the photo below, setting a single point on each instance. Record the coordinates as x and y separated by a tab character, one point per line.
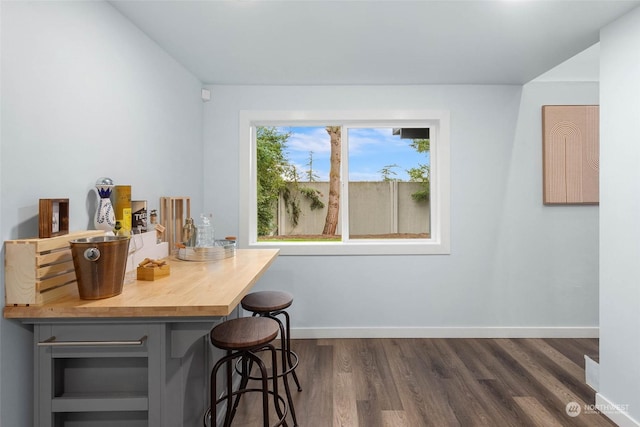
331	221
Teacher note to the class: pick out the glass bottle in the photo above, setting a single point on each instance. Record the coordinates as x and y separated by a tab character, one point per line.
205	236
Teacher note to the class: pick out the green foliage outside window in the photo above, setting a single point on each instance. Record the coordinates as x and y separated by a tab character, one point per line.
421	173
272	166
277	177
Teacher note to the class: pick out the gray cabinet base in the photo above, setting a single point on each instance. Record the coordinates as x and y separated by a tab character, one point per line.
122	372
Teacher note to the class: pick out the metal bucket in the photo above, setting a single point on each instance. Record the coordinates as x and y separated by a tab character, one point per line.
100	264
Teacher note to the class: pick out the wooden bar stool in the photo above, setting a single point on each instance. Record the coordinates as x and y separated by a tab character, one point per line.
271	304
242	338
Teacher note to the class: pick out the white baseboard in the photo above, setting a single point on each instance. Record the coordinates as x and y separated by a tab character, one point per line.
615	412
447	332
592	373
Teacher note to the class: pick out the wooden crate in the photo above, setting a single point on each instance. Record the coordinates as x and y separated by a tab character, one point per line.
149	273
39	270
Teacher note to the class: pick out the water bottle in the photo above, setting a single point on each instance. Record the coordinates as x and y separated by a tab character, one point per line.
205	237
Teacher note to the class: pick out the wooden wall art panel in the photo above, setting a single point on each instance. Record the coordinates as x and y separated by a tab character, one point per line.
571	144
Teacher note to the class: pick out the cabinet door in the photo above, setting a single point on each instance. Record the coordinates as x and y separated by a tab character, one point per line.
98	373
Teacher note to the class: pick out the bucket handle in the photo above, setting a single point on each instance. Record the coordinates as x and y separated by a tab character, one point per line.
92	254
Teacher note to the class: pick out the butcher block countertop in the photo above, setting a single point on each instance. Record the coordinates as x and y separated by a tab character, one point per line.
193	289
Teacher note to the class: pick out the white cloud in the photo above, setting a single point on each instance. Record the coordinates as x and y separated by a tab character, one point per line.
367	140
316	141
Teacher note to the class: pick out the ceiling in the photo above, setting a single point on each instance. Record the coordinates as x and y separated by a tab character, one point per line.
584	67
340	42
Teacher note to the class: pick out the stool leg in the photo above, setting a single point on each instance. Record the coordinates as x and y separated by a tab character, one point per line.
213	384
213	390
287	362
265	388
288	349
274	374
214	396
285	377
247	366
228	397
229	413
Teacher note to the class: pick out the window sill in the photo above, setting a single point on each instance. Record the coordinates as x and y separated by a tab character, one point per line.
368	247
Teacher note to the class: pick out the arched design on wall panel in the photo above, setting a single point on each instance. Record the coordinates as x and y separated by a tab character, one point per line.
570	154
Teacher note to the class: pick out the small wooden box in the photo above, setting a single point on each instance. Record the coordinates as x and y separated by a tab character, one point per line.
147	273
37	271
53	217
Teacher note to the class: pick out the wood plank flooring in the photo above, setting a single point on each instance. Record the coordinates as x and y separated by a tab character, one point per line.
438	382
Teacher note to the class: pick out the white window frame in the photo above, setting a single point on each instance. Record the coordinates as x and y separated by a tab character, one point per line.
437	120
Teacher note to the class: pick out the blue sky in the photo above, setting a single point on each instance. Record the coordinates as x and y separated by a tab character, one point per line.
370	150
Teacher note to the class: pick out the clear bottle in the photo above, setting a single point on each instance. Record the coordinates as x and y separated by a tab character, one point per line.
205	236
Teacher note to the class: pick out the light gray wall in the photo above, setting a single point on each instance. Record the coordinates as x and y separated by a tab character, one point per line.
514	262
620	207
84	94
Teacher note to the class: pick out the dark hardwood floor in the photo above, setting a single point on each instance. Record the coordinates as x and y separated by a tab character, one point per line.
438	382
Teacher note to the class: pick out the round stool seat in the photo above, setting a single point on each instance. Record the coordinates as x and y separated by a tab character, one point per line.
243	338
244	333
267	301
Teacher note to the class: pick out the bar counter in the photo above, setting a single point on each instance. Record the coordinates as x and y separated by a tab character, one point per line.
152	339
193	289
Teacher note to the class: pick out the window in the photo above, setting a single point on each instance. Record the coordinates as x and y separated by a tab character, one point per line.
387	193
